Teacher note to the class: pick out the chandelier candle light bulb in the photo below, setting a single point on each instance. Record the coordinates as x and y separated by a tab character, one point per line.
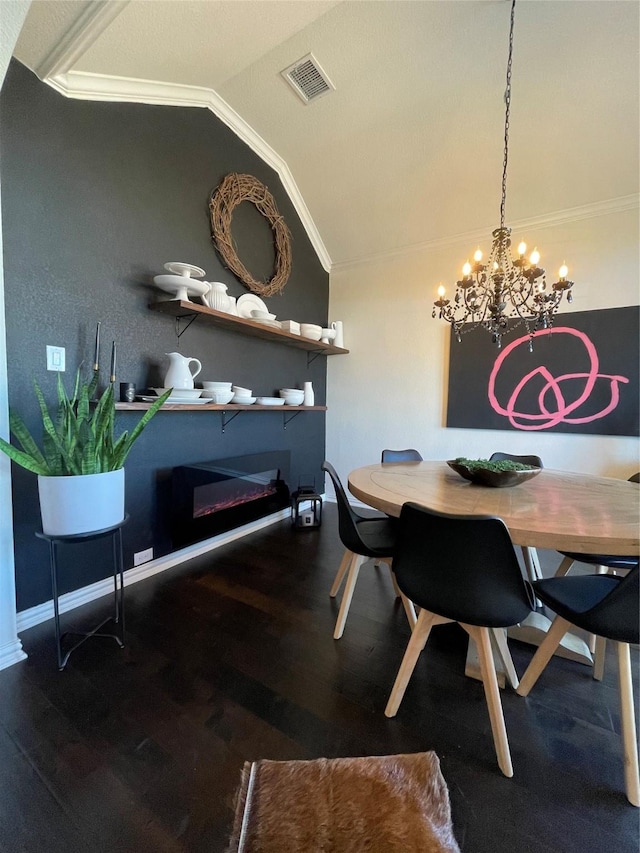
489	295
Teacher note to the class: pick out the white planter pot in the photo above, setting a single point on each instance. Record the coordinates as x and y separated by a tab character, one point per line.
81	504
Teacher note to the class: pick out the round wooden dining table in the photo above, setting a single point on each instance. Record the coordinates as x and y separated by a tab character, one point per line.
557	510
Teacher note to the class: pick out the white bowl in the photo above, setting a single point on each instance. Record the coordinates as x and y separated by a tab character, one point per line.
292	398
216	386
241	392
242	400
180	393
220	398
309	330
270	401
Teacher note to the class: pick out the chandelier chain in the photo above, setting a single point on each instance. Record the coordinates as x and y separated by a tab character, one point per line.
503	291
507	103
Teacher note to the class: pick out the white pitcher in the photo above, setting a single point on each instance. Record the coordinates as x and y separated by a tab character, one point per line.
338	341
179	374
216	297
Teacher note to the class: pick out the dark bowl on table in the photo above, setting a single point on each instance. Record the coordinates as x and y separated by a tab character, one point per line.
494	479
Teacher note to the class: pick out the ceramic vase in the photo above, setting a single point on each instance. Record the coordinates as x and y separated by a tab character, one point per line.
309	397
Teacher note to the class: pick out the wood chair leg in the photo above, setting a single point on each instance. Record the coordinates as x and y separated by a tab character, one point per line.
344	565
547	647
492	696
410	610
416	644
598	658
356	561
564	567
629	737
499	636
396	588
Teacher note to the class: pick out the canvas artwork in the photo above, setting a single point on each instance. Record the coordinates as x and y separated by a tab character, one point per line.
581	377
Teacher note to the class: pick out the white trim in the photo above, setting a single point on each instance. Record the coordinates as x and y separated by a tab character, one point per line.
77	597
10	646
91	23
547	220
83	85
102	87
11	653
352	501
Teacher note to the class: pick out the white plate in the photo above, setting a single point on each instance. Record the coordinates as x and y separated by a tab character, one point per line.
273	323
270	401
199	401
180	393
185	269
249	302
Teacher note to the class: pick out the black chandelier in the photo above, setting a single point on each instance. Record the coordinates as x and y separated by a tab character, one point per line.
490	294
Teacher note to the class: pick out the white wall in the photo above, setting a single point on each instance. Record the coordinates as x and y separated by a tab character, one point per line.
12	17
391	390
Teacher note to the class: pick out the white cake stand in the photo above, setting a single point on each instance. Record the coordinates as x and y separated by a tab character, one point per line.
182	287
182	283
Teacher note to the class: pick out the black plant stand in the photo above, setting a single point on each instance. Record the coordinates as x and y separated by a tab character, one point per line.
118	593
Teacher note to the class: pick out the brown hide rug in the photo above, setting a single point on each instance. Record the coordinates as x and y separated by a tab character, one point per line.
378	804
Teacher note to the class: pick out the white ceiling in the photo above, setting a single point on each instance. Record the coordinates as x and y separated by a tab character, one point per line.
408	149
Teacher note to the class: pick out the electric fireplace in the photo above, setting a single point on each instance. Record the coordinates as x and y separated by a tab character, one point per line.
213	497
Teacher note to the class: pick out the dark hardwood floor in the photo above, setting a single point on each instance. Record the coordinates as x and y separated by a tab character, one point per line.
231	658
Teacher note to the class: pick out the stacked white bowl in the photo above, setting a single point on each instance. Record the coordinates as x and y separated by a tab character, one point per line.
242	396
219	392
310	330
292	396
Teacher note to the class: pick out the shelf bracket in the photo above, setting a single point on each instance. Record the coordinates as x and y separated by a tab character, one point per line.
311	357
180	332
286	419
227	420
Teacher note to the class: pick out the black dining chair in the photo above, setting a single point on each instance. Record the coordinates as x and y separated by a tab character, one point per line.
364	538
461	568
606	606
529	555
604	564
408	455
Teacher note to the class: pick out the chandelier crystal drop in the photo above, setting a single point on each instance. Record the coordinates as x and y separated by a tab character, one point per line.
502	289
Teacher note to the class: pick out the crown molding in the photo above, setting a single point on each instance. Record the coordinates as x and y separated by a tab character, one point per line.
83	85
547	220
92	21
101	87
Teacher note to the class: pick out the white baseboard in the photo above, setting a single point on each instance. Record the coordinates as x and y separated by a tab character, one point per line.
11	653
77	597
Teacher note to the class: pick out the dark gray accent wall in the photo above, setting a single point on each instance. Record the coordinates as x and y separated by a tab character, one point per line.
96	197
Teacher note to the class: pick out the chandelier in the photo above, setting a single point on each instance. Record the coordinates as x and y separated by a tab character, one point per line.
502	289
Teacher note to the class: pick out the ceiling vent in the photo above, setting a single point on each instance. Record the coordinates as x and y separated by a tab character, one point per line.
307	79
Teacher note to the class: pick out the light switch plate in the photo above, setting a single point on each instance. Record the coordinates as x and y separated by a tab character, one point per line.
55	358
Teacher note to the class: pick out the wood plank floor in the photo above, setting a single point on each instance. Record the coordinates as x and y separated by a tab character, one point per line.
231	658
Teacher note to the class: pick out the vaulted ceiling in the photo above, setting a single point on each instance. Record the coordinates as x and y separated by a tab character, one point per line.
408	149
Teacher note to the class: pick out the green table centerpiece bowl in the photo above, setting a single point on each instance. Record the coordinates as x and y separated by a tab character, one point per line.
498	475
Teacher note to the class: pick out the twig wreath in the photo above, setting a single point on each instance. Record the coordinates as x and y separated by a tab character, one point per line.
233	190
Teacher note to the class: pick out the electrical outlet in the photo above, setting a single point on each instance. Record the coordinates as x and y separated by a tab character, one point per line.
142	557
55	358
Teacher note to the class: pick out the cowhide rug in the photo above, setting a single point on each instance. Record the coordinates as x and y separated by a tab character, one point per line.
377	804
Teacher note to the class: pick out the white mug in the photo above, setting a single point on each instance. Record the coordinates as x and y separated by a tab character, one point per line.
338	341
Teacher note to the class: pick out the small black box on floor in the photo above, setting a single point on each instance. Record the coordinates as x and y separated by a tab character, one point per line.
306	508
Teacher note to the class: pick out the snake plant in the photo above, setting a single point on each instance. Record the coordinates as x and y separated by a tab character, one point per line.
79	438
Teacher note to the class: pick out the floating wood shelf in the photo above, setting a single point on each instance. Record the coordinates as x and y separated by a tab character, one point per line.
185	309
213	407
